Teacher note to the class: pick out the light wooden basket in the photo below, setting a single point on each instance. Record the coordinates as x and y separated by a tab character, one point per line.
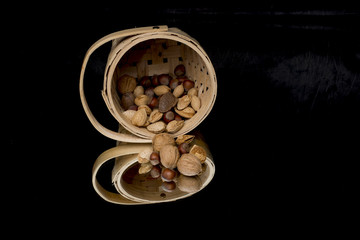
133	188
147	51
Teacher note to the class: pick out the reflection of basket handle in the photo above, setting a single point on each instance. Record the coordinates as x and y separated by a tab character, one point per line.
121	34
110	154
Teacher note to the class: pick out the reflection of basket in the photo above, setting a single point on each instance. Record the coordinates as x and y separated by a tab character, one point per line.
133	188
144	52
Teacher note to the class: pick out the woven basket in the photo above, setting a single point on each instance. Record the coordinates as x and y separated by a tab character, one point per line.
147	51
133	188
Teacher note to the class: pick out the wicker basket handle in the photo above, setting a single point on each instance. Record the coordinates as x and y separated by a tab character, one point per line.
121	150
121	34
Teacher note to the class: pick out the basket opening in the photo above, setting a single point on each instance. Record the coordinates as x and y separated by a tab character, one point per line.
161	56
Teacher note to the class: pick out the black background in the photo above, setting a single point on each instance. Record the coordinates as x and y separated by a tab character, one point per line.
284	130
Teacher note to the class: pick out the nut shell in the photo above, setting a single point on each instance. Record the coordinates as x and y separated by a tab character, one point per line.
189	184
162	139
189	165
169	155
126	84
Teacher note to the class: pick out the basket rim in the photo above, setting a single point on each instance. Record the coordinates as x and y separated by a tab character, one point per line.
124	46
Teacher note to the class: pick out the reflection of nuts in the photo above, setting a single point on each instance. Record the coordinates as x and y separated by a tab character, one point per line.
145	168
189	184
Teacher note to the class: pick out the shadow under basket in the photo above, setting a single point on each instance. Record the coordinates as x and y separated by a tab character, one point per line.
145	52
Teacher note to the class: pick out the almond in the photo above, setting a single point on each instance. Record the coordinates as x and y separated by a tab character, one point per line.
174	126
139	118
183	102
161	90
157	127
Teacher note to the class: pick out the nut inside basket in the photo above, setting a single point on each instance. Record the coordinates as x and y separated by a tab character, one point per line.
161	56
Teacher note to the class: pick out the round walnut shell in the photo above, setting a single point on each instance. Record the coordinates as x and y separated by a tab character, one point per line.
189	165
162	139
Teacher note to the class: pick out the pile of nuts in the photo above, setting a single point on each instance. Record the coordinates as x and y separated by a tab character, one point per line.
160	103
178	162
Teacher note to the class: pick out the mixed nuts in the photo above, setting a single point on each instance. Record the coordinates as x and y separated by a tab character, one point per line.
159	103
178	162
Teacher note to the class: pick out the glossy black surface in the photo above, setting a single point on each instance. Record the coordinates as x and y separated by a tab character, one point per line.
288	85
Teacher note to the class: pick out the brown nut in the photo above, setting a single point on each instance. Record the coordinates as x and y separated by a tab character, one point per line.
198	152
189	165
184	148
168	174
154	158
178	91
162	139
166	102
183	102
189	184
126	84
161	90
156	127
139	118
145	168
164	79
174	126
180	70
195	103
188	84
184	138
187	112
141	100
155	116
169	155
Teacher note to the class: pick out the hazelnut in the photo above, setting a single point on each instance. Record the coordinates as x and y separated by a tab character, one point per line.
169	155
155	172
164	79
155	80
184	148
145	81
149	92
188	84
154	158
180	70
168	174
189	165
154	103
162	139
168	116
174	83
168	186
